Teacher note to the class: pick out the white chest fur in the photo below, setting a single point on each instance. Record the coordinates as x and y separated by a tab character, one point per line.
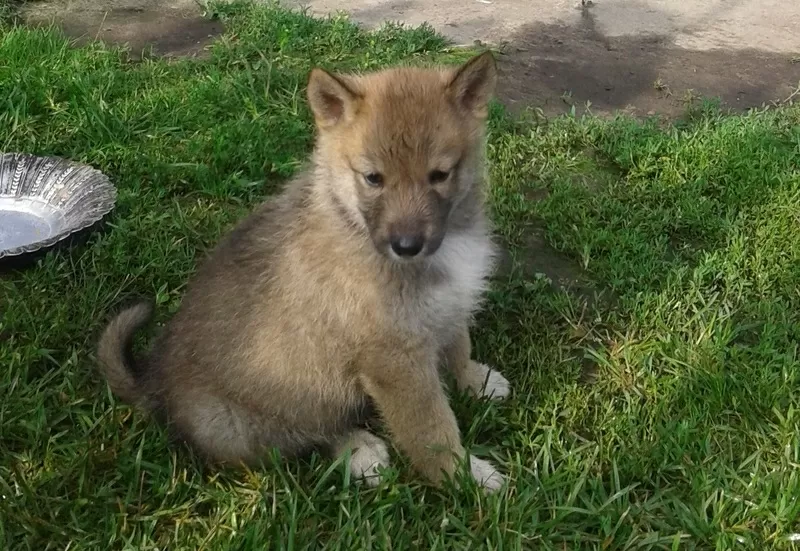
466	260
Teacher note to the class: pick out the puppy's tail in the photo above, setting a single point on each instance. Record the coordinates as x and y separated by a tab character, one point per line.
115	353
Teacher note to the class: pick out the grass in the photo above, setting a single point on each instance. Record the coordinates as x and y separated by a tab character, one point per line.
665	417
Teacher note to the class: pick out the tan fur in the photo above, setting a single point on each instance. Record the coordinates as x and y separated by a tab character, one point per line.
114	342
305	315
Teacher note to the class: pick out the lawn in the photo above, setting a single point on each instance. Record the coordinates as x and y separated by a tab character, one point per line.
656	404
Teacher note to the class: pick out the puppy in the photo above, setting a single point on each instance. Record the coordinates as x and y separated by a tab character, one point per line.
345	294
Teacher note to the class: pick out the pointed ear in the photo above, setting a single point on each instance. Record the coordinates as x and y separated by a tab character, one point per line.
473	85
331	98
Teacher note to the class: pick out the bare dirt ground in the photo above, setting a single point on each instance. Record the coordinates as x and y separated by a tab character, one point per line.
641	56
553	66
169	27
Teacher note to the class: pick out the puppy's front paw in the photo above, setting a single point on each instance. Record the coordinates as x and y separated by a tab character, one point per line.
485	382
485	474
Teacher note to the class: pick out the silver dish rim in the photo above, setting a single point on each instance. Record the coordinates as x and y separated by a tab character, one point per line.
85	223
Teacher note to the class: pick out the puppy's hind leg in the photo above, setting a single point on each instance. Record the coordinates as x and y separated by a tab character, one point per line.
219	429
368	453
478	379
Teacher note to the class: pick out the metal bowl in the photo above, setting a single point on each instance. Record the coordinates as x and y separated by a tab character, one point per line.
44	200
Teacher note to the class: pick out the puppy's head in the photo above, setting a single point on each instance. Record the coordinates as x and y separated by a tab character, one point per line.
399	149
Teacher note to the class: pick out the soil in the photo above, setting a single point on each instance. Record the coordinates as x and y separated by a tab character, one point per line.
173	28
553	56
553	67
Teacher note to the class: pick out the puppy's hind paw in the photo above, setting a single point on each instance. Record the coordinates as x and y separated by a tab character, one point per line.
368	455
484	382
486	474
497	387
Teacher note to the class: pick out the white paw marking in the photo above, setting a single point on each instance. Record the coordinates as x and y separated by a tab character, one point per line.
369	454
497	387
485	474
486	382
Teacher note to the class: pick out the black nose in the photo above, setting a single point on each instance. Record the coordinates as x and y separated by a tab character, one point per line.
407	245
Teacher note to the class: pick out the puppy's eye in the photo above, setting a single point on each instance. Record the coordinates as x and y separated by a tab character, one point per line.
438	176
374	179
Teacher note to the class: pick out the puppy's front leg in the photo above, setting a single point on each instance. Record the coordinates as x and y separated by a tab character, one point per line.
405	385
